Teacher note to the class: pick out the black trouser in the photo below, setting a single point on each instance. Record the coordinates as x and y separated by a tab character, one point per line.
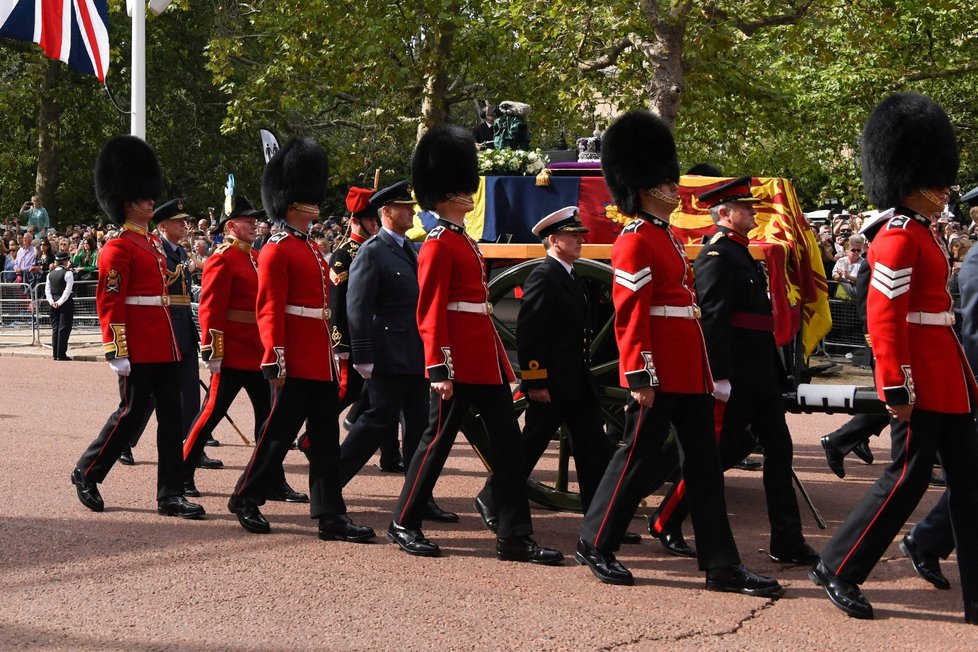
858	429
933	533
223	389
764	414
189	388
298	400
626	478
146	381
494	404
388	395
357	398
872	525
61	321
581	415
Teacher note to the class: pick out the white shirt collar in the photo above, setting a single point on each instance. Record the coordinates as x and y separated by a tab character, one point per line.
398	238
567	267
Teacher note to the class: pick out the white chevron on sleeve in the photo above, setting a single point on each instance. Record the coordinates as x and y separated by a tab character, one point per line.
633	282
891	282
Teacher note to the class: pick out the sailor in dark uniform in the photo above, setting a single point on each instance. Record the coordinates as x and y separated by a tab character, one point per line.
738	326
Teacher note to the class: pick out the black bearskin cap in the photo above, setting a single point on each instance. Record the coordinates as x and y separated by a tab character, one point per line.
705	170
297	173
637	152
908	144
444	162
126	170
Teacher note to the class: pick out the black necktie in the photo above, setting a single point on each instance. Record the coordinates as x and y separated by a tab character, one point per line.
409	249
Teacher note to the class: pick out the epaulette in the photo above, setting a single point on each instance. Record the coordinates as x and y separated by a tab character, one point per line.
278	237
224	246
898	222
435	233
717	237
632	226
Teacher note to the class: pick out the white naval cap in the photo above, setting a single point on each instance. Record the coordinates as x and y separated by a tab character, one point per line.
565	219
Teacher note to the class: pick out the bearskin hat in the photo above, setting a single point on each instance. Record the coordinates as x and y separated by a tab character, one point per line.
298	172
908	144
637	152
126	170
444	162
705	170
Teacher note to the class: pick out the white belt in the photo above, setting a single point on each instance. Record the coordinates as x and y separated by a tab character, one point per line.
931	318
159	300
312	313
467	306
683	312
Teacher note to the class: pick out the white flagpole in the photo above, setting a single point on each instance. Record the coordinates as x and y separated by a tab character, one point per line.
138	98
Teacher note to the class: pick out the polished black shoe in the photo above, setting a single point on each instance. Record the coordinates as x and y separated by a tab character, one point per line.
432	512
737	579
675	544
212	442
341	528
488	518
249	516
179	506
64	358
834	457
971	613
748	464
603	565
631	538
87	491
190	489
287	494
927	565
125	457
397	466
527	550
206	462
801	555
863	451
412	541
843	595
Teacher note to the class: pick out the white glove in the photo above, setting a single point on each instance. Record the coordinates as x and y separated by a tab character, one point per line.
120	366
365	369
721	390
213	366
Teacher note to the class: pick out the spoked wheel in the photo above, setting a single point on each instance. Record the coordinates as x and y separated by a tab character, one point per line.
596	278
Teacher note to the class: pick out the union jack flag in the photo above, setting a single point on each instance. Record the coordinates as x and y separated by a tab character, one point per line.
74	31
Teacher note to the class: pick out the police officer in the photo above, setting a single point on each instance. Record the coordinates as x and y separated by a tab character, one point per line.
297	359
140	344
738	326
553	340
465	359
663	365
909	160
230	345
58	291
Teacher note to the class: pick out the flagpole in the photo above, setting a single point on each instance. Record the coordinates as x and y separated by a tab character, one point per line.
138	98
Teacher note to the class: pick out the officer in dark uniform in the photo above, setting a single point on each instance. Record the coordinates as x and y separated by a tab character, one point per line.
382	303
553	340
58	290
738	326
137	331
364	224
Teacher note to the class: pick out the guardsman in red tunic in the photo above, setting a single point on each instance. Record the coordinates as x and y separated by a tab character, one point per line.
230	345
137	330
465	359
909	160
297	358
663	364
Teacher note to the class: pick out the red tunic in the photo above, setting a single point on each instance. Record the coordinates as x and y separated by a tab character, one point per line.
229	287
133	265
919	364
651	269
460	346
292	271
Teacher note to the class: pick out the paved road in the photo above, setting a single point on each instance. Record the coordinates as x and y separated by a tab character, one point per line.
128	579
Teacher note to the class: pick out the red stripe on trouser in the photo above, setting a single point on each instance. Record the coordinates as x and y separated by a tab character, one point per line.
203	417
125	411
903	474
666	509
261	437
344	379
414	485
621	478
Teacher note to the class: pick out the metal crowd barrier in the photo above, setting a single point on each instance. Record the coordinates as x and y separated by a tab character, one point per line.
18	324
85	330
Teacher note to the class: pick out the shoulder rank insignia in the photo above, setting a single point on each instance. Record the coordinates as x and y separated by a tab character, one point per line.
717	237
898	222
632	226
278	237
114	281
436	232
224	246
